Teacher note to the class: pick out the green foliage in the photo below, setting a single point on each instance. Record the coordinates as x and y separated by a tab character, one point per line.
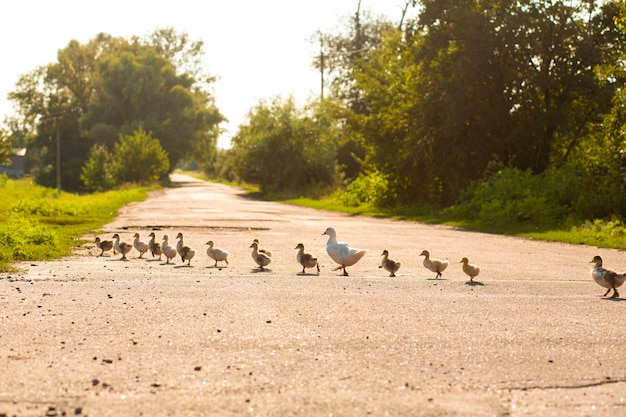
97	173
139	158
110	87
23	238
284	150
512	196
37	223
370	189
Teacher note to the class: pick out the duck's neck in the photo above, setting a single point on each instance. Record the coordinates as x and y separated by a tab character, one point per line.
331	239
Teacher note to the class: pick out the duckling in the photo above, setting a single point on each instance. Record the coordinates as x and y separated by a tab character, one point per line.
435	265
262	250
216	253
104	245
606	278
155	247
121	247
262	259
342	253
389	264
185	252
306	259
140	245
470	270
168	251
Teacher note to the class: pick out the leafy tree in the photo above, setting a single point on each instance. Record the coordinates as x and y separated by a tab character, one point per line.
340	60
139	158
284	150
97	173
474	82
5	147
113	86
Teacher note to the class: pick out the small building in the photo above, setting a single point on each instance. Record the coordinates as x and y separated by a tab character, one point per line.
17	167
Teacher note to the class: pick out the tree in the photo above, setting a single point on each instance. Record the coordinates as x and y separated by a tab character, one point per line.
111	87
472	83
97	173
5	147
139	158
285	150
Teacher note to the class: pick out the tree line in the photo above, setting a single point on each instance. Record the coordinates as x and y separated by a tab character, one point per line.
473	104
110	89
468	93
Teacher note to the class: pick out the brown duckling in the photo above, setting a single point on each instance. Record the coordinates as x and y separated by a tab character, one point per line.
389	264
306	259
606	278
262	259
185	252
104	245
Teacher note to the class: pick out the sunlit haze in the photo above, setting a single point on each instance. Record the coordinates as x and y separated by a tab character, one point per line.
256	49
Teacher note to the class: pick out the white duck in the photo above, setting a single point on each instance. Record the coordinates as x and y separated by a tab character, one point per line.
606	278
470	270
262	250
121	247
169	251
140	245
104	245
435	265
155	247
261	259
306	259
185	252
217	254
389	264
342	253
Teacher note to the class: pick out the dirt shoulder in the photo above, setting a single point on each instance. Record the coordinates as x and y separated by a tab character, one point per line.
96	336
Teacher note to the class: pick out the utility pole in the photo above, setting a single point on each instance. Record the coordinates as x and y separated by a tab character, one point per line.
58	162
322	67
57	117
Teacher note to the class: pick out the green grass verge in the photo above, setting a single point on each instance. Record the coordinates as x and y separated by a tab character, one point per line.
600	233
36	223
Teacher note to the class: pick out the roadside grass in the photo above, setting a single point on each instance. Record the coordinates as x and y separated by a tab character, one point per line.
36	223
600	233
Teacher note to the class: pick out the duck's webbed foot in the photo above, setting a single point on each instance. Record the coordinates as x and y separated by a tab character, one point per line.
615	293
345	273
607	291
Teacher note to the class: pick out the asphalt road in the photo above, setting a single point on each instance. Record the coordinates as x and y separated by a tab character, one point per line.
97	336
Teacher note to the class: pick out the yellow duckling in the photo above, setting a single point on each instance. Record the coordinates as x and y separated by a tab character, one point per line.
216	254
121	247
262	259
104	245
606	278
262	250
389	264
435	265
169	251
155	247
140	245
306	259
470	270
185	252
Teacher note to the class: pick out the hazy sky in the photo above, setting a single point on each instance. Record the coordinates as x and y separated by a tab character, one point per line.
256	48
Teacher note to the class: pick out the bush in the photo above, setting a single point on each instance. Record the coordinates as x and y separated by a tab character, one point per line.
368	188
139	158
512	196
97	173
24	238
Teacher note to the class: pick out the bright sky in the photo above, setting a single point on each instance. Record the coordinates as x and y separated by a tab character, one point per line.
257	48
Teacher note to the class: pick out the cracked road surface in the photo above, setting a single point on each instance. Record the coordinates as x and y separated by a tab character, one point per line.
96	336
